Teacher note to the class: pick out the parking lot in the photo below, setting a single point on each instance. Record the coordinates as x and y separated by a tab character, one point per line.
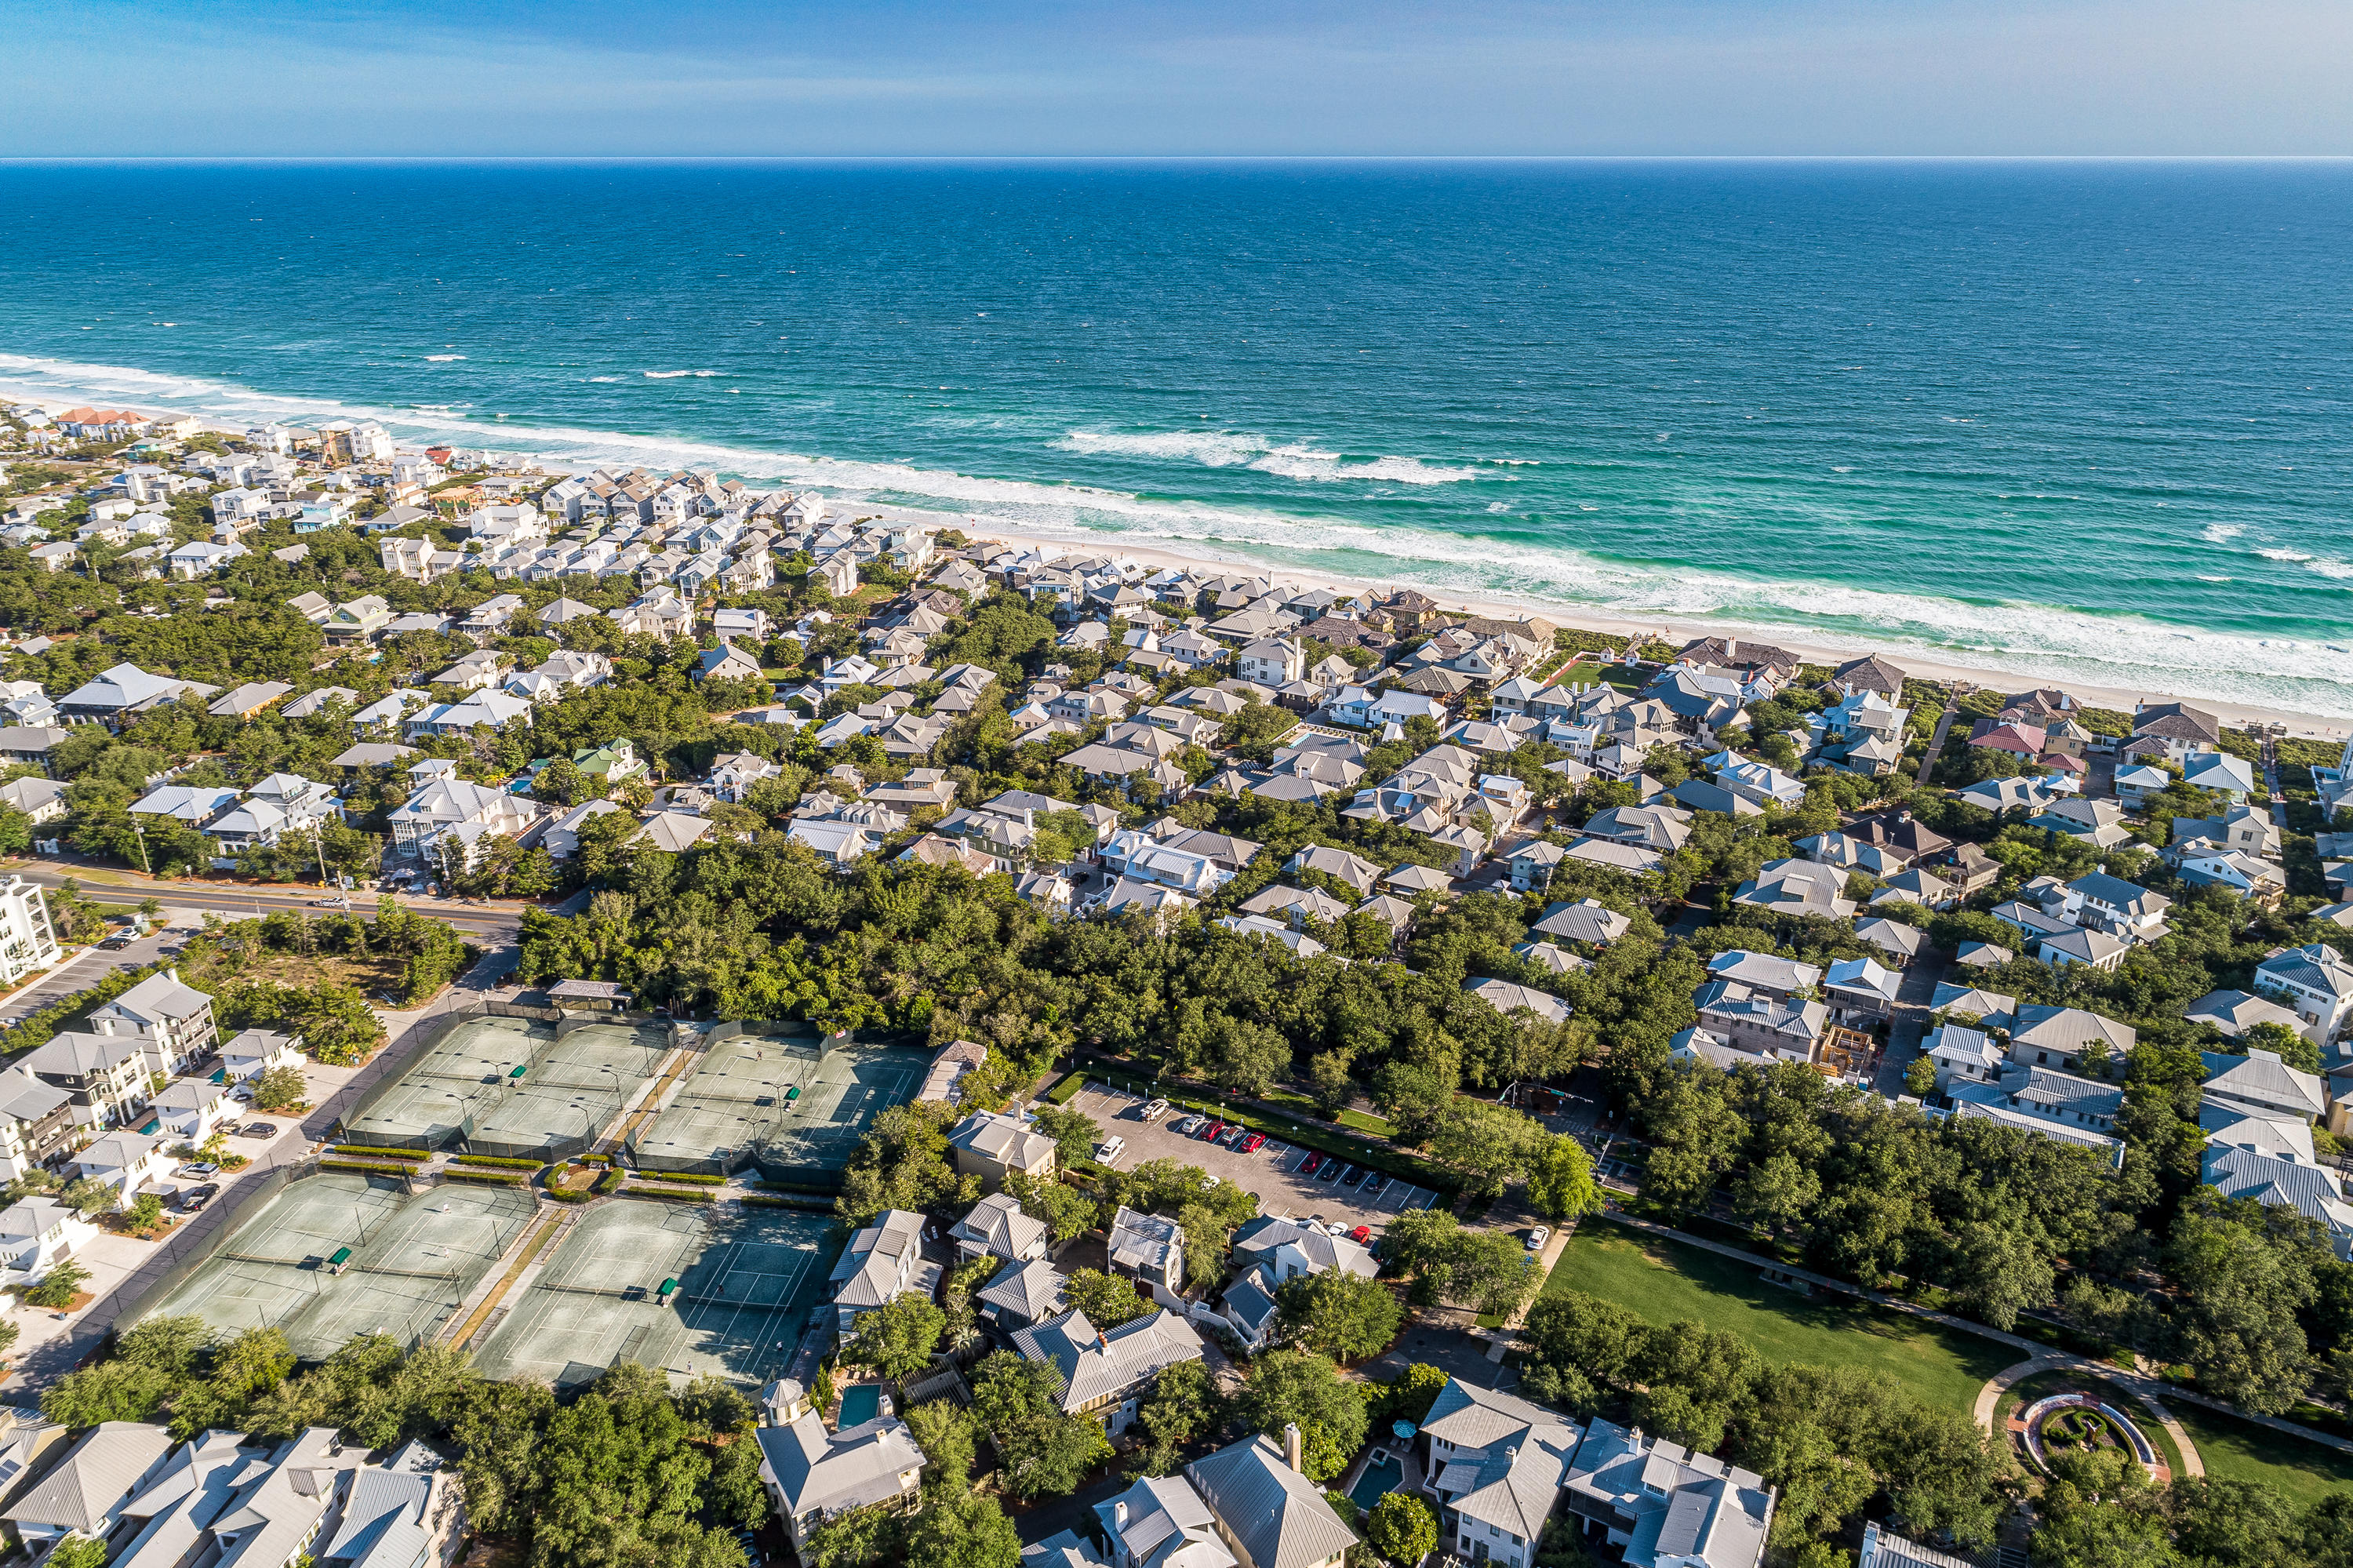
1272	1172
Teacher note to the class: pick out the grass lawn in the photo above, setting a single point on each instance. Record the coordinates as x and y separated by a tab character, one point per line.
1666	1280
2239	1451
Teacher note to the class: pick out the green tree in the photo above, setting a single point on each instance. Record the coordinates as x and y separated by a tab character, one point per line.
1920	1078
944	1433
1075	1133
1402	1529
897	1338
278	1089
78	1552
87	1196
1337	1314
851	1540
1184	1402
1062	1209
1488	1143
1043	1451
1560	1182
1107	1299
1288	1387
966	1532
146	1212
60	1286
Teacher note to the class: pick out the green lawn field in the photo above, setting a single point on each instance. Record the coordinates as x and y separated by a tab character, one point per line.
1666	1280
2239	1451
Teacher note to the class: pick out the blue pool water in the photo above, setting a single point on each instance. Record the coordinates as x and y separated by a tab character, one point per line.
1380	1479
861	1402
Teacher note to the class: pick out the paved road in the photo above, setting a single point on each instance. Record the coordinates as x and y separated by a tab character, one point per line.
1910	1026
104	885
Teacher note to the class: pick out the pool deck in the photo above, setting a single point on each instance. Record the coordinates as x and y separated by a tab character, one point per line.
1410	1481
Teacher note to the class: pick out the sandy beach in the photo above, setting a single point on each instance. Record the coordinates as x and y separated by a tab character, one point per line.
1677	631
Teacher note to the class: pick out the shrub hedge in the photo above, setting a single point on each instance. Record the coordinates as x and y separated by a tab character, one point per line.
610	1181
509	1176
1064	1092
414	1155
364	1166
781	1201
675	1195
690	1178
500	1162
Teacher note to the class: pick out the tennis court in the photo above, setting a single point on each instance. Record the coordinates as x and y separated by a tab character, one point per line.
513	1086
796	1104
413	1259
745	1279
571	1092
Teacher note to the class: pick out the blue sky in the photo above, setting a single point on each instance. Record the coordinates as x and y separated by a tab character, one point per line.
979	78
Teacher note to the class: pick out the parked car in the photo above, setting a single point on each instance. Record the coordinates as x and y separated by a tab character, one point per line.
1253	1143
1232	1136
1154	1109
1309	1166
1375	1182
1208	1134
1109	1150
1332	1169
198	1170
1184	1126
260	1129
1362	1236
115	943
1350	1177
196	1198
1538	1237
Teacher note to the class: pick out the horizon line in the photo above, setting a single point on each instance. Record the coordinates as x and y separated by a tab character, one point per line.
28	160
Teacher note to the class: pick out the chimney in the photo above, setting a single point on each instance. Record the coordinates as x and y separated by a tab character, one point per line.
1119	1517
172	974
1290	1447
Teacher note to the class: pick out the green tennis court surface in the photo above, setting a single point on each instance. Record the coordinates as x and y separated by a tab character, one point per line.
413	1260
745	1280
513	1087
795	1106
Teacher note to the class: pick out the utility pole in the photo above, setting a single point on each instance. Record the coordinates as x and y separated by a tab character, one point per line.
318	847
142	837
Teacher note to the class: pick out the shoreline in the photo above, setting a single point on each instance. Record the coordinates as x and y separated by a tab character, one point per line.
1673	630
1676	628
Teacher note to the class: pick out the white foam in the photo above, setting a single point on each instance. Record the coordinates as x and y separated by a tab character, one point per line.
674	374
2220	533
2035	641
604	378
2330	568
2282	554
442	359
1231	449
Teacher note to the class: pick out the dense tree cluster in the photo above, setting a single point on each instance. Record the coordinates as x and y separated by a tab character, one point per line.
625	1475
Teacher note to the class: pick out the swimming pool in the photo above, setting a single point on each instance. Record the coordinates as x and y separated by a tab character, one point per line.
861	1402
1382	1474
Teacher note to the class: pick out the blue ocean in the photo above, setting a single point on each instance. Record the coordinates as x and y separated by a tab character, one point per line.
2083	421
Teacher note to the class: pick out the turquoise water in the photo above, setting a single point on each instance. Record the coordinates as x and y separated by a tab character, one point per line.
861	1402
1379	1478
2087	419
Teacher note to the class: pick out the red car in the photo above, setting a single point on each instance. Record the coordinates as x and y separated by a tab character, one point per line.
1308	1166
1361	1234
1253	1143
1209	1133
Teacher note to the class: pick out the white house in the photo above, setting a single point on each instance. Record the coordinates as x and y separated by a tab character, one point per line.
879	1263
813	1475
172	1022
254	1052
35	1234
125	1162
189	1108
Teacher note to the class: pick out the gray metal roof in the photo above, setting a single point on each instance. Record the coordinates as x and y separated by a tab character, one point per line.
1278	1515
103	1469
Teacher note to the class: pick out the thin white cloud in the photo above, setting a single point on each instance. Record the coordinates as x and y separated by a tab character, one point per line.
2257	77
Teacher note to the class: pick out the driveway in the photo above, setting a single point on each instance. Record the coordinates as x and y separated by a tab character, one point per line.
1910	1027
1271	1172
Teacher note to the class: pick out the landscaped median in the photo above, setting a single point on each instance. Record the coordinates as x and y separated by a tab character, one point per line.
1322	1137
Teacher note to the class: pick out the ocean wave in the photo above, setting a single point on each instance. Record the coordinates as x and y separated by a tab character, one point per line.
674	374
2220	533
2330	568
604	378
2030	641
2290	557
442	359
1231	449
